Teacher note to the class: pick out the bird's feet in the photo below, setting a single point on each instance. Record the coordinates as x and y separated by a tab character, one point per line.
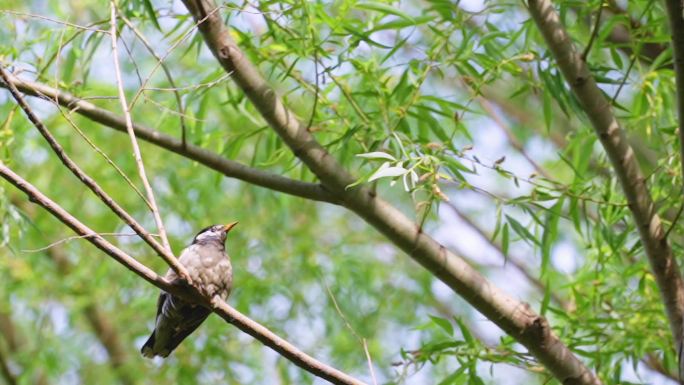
216	301
186	278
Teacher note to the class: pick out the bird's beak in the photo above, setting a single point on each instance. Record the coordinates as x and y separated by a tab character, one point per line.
229	226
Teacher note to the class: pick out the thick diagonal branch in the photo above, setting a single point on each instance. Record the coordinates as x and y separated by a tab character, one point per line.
189	293
513	316
208	158
621	155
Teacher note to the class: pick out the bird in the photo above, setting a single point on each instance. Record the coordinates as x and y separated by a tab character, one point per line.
208	266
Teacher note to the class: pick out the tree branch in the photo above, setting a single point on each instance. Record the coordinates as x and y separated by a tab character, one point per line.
189	293
178	268
90	182
675	10
227	167
514	317
621	155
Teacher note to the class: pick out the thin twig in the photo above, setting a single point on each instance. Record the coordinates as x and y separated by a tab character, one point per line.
351	329
171	111
136	68
315	101
53	244
624	79
16	13
131	134
168	52
103	154
635	54
167	72
594	32
674	221
193	87
563	188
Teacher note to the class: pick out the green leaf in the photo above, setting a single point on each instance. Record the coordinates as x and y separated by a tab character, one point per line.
443	323
149	9
377	155
546	300
521	230
547	109
454	377
465	331
387	171
550	233
505	240
384	8
403	23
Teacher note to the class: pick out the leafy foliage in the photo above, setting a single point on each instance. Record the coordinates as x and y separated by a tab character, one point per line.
434	103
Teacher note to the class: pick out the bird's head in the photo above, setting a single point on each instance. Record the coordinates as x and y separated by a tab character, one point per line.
215	233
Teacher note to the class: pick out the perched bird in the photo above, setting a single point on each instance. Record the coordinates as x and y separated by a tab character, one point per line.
209	267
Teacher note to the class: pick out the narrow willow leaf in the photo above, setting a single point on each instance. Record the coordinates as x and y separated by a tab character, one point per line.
149	9
505	241
521	230
384	8
443	323
388	172
467	335
377	155
547	298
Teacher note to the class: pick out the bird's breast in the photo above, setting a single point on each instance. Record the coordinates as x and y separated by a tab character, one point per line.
209	266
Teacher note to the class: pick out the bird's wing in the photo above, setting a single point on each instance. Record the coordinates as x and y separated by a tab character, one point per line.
160	303
176	320
183	318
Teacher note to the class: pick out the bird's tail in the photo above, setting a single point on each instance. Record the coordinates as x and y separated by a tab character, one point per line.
148	349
